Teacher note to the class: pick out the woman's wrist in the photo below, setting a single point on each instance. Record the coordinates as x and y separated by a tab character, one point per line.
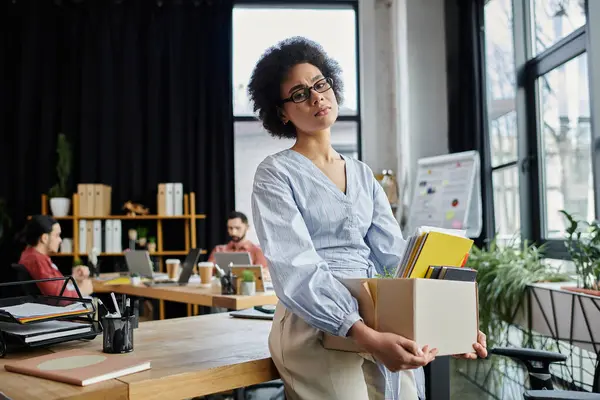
362	334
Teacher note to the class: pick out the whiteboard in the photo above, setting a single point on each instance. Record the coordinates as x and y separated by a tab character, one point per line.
447	194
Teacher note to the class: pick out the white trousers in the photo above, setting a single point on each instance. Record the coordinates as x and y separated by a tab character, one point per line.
311	372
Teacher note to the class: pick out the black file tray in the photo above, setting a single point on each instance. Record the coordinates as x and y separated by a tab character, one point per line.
9	340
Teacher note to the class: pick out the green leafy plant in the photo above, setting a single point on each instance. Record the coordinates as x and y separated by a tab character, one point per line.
77	261
503	273
247	276
135	275
152	239
142	232
583	244
388	273
63	167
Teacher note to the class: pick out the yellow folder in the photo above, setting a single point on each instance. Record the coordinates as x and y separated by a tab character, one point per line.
440	249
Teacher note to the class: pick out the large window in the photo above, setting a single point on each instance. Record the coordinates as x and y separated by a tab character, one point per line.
502	117
538	117
254	30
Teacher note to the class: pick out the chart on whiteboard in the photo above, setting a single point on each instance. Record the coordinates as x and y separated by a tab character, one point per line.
444	194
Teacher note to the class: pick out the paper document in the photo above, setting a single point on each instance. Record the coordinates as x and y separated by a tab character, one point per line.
27	310
44	330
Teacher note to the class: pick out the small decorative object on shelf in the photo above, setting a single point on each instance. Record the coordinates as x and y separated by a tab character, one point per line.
152	244
134	209
248	284
59	200
142	235
132	234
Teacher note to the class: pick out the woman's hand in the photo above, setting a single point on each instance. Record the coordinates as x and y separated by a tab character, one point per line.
394	351
80	273
480	349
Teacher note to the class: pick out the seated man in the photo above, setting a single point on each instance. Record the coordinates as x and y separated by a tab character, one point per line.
237	227
42	237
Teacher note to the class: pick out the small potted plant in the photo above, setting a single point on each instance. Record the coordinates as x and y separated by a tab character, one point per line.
152	244
60	202
248	287
135	278
142	234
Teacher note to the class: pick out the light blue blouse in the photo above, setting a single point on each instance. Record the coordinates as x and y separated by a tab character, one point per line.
312	233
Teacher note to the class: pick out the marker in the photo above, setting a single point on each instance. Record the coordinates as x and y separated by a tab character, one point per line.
112	294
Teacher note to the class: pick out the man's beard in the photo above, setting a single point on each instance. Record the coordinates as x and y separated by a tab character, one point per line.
237	239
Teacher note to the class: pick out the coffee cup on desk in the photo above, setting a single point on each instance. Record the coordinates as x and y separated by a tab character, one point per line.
173	266
205	270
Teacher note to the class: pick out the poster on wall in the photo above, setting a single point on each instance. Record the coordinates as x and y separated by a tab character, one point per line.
447	194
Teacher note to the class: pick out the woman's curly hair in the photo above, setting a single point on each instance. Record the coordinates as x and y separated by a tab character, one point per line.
271	70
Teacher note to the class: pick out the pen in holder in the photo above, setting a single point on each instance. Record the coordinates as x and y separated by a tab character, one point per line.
117	334
228	283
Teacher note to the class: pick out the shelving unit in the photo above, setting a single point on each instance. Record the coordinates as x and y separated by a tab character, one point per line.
189	218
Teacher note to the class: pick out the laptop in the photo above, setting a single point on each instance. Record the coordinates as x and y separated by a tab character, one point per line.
138	261
186	271
225	259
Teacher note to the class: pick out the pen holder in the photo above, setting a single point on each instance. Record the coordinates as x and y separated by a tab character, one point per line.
117	334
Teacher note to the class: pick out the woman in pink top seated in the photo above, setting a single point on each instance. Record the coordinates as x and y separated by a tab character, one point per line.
42	237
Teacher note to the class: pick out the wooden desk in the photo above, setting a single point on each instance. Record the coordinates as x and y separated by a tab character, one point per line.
192	356
190	294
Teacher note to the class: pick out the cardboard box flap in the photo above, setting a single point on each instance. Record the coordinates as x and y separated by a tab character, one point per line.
359	289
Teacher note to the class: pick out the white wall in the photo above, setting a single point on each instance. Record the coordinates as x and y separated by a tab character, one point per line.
403	82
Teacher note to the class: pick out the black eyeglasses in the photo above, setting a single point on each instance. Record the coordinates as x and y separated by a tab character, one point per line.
302	94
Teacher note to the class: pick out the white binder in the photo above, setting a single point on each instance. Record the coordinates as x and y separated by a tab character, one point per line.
169	197
97	243
108	234
178	198
82	236
117	239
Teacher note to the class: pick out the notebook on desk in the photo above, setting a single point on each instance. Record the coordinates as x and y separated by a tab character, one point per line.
78	367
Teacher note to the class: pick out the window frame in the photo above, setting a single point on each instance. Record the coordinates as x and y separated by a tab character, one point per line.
529	161
315	5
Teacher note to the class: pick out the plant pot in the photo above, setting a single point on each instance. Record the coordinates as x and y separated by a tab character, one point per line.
136	280
60	206
248	288
151	247
591	292
142	241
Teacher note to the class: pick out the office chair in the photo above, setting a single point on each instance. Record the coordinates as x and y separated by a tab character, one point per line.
538	363
30	289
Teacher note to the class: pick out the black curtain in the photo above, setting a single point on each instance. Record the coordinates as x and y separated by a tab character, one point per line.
142	90
466	92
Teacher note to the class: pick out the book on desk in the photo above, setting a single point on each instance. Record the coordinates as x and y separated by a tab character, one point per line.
78	367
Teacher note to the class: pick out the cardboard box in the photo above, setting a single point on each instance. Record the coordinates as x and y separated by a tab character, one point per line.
440	313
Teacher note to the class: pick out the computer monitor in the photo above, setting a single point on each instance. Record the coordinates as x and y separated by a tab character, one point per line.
225	259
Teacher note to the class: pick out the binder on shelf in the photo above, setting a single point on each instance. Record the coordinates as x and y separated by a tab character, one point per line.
169	197
117	239
108	236
82	236
178	198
